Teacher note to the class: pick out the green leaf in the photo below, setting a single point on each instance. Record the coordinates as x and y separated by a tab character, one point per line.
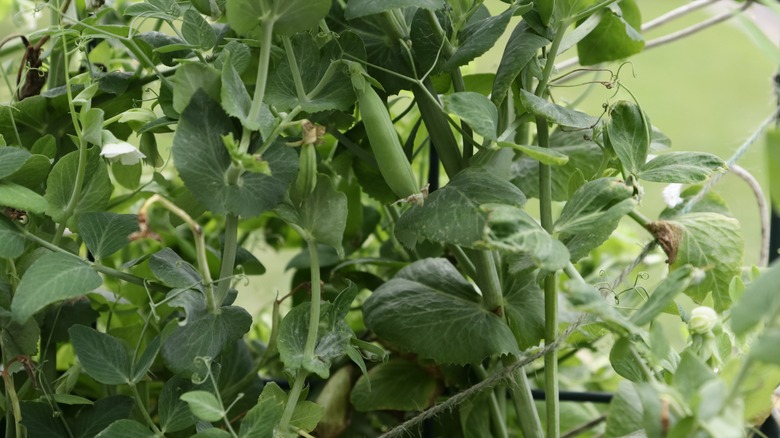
520	49
173	271
11	240
624	362
709	241
476	110
627	133
524	308
566	11
103	357
512	230
126	429
361	8
106	233
202	161
93	418
263	418
428	308
46	145
190	78
146	360
92	121
212	433
453	214
681	167
556	113
18	339
128	177
759	301
287	16
322	215
197	30
175	414
625	411
318	70
398	385
237	103
593	213
547	156
663	295
615	37
21	198
163	9
204	405
33	173
51	278
478	37
95	192
691	374
11	160
333	337
206	335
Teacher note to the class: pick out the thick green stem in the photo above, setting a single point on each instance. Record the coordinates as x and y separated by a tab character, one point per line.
13	400
523	400
296	73
488	281
262	69
144	412
314	316
496	417
229	249
292	401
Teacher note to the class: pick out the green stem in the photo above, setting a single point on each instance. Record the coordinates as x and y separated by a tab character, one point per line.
639	218
292	401
262	69
228	256
496	417
278	130
144	412
13	399
314	316
488	281
296	73
541	88
523	400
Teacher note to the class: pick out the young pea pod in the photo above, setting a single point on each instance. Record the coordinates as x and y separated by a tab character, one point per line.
306	181
385	144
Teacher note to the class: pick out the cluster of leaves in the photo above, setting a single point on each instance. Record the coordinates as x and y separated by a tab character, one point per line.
116	293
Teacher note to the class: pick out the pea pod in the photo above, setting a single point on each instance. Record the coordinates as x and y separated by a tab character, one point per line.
306	181
393	165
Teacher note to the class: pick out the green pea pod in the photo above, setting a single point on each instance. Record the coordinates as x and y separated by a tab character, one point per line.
306	181
385	144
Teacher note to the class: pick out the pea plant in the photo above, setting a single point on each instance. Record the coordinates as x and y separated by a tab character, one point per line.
149	146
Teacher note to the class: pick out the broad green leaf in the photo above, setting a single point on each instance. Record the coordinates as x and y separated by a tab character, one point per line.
760	301
213	432
547	156
556	113
593	213
160	47
106	233
51	278
764	348
333	337
663	295
21	198
163	9
681	167
173	271
710	203
627	133
625	413
584	158
11	240
616	37
263	418
429	309
398	385
322	215
757	386
237	103
190	78
325	81
204	405
175	414
334	400
624	362
126	429
45	145
197	31
709	241
512	230
567	11
18	339
691	374
524	308
128	176
520	49
286	16
474	415
103	357
95	192
361	8
428	48
477	38
92	121
476	110
453	214
202	161
92	419
11	160
185	343
70	399
33	173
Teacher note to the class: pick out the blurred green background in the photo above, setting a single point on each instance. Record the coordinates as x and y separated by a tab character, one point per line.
707	92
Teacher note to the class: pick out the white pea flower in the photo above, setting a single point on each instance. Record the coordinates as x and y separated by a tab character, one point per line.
703	320
118	150
671	195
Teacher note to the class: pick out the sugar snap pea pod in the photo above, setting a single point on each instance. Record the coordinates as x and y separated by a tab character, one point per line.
306	181
385	144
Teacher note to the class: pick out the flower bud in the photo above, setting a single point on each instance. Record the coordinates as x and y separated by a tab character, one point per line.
703	320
